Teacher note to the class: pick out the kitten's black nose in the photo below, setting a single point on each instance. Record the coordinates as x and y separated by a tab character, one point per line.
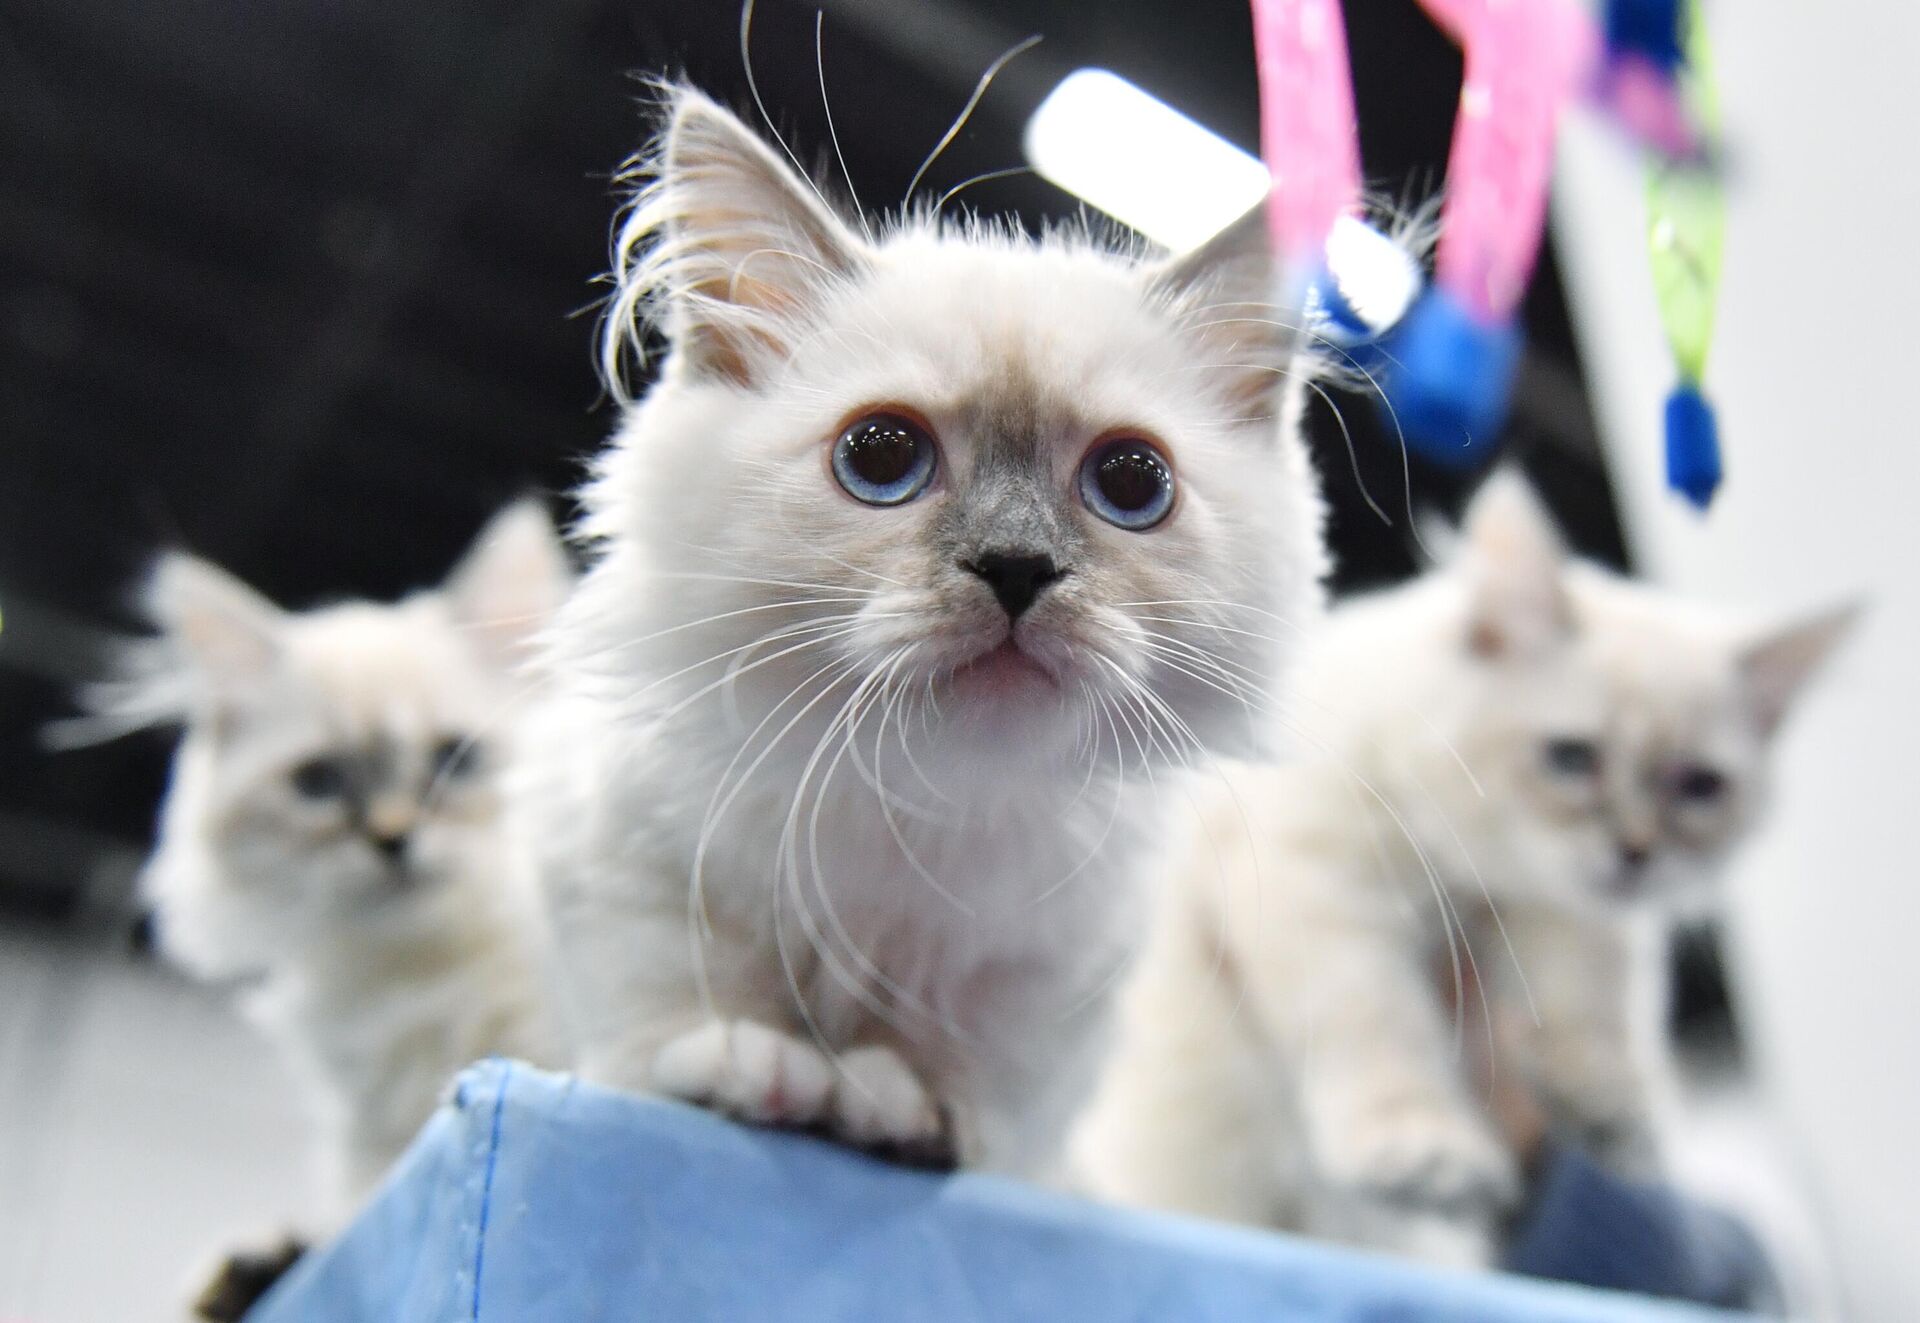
1017	578
1635	857
390	847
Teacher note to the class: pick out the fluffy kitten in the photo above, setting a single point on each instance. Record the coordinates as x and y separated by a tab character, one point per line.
334	832
1515	759
904	564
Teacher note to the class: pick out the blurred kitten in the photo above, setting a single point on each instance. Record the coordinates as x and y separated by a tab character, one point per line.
899	563
1517	762
334	833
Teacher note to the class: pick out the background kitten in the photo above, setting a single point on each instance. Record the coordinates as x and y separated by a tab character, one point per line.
1505	756
903	566
334	831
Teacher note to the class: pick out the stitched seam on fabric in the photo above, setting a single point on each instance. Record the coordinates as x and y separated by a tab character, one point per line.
486	1187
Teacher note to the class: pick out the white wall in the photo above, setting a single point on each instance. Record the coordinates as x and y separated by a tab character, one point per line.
1816	371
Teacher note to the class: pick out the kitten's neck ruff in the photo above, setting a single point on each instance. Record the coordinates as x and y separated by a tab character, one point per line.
362	983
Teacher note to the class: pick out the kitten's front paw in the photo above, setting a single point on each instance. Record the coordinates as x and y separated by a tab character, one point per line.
748	1071
1608	1116
1451	1238
880	1104
1422	1153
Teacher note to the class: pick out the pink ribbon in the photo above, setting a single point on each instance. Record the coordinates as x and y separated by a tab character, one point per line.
1308	130
1525	60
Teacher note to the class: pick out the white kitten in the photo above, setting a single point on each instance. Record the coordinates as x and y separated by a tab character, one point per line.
904	564
1547	742
335	835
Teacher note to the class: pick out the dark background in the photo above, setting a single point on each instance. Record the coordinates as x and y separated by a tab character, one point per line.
308	287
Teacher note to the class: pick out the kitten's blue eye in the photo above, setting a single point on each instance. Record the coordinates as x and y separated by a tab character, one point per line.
455	758
1568	756
884	459
1699	784
1127	483
319	778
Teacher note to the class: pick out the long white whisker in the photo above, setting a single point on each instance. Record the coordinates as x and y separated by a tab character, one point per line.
708	577
985	176
614	650
826	105
753	88
699	921
845	724
912	856
822	633
966	113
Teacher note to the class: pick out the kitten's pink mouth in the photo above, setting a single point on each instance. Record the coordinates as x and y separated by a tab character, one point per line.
1001	669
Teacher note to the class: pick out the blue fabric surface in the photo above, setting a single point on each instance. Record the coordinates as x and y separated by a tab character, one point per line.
533	1198
1585	1224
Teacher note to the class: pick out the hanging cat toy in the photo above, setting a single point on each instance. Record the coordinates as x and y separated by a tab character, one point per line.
1444	355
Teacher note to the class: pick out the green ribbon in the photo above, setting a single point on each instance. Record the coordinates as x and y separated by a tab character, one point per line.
1686	223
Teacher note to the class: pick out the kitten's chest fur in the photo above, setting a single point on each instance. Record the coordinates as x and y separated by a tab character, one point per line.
922	906
908	912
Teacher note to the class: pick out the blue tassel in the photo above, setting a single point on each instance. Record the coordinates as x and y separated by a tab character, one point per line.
1449	380
1344	320
1346	333
1650	29
1693	446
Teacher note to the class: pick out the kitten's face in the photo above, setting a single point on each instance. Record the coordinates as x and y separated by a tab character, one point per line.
363	771
1633	760
1626	752
341	766
1021	495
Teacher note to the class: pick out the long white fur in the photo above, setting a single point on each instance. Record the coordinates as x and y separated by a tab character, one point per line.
375	983
1288	1058
798	871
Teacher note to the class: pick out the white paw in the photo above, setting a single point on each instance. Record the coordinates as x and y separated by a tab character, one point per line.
879	1103
747	1071
1448	1239
1597	1101
1424	1153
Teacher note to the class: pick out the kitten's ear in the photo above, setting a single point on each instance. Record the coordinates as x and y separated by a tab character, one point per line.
1776	666
508	585
226	630
1226	292
1240	256
742	246
1515	565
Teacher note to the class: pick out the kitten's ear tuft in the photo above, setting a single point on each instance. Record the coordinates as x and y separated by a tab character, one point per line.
1227	293
510	582
728	247
1515	565
224	629
1776	666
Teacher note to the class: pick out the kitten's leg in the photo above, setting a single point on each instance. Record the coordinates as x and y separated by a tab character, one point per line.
1345	997
632	971
1590	989
1191	1114
643	1024
1011	1111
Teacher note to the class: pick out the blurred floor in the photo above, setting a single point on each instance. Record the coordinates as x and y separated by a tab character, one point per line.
142	1127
